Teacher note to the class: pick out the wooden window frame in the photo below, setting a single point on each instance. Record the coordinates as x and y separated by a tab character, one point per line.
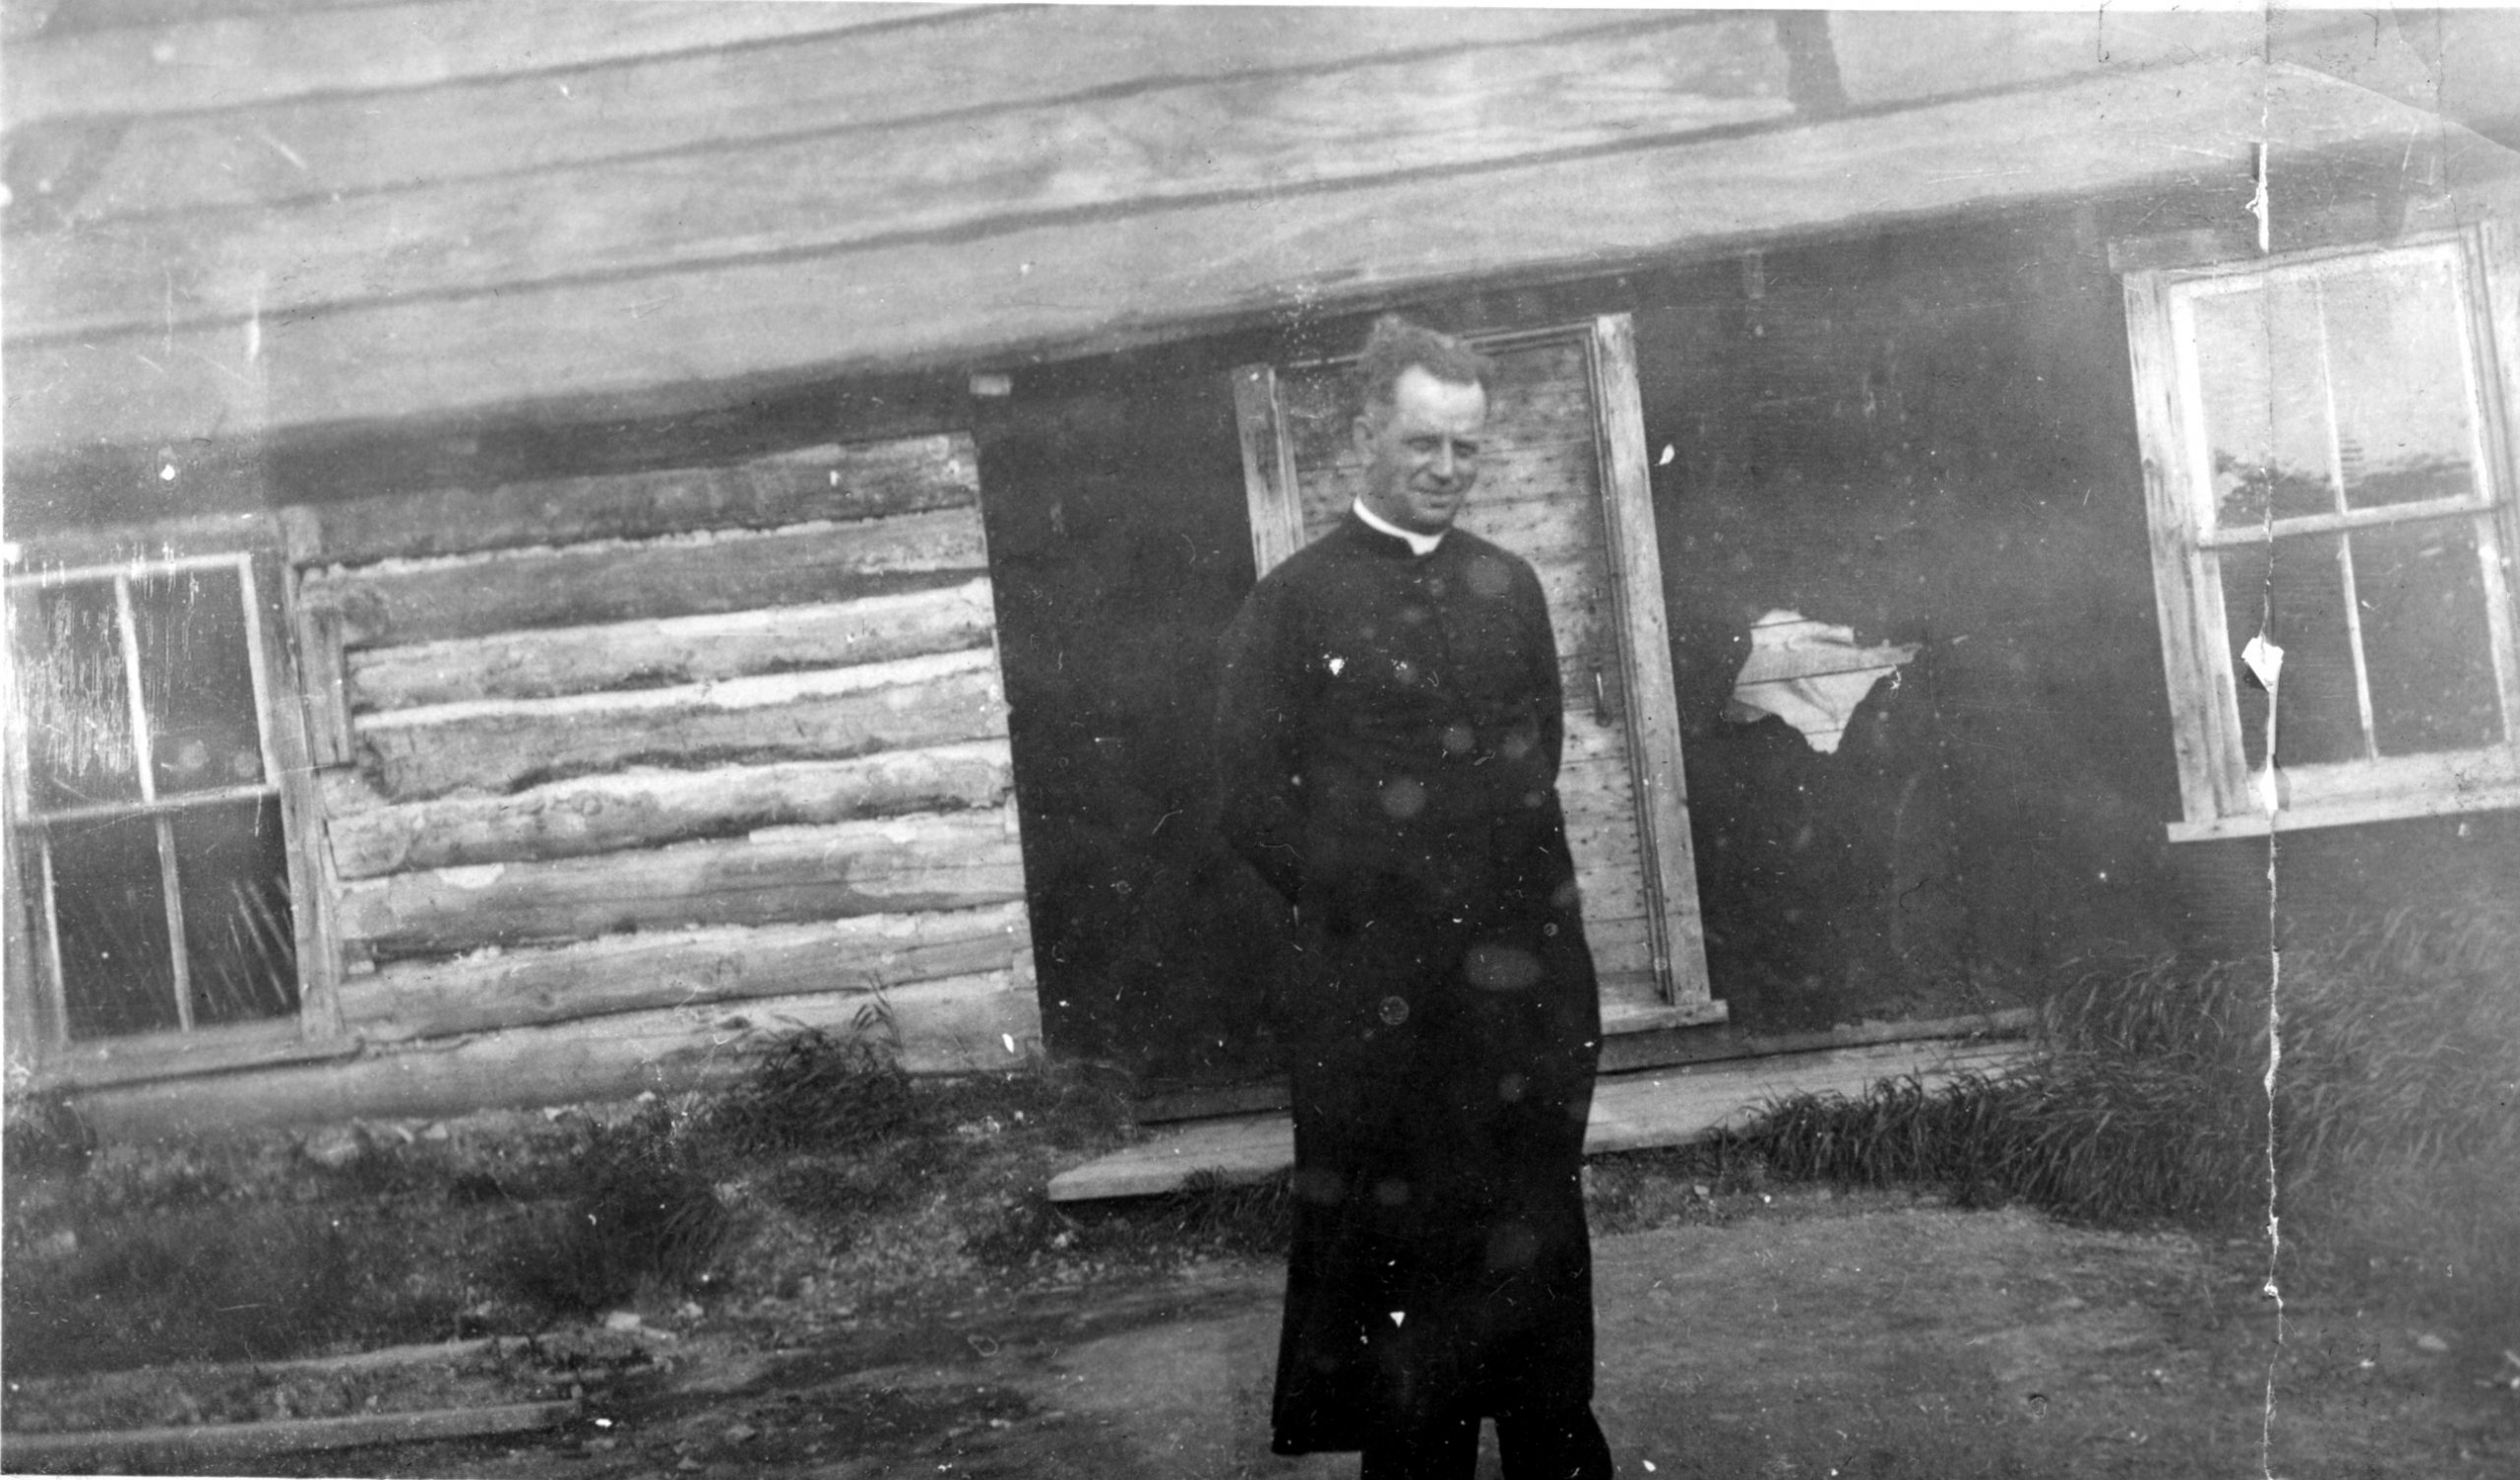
2220	797
36	1010
1677	930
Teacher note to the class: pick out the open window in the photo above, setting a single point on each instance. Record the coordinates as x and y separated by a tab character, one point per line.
157	763
2326	465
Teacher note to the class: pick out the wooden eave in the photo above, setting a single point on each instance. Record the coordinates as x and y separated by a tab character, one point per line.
1005	277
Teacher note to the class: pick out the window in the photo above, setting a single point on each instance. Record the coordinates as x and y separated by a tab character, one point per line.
2325	468
153	810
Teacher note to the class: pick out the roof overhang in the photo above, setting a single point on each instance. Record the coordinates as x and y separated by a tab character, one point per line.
1099	280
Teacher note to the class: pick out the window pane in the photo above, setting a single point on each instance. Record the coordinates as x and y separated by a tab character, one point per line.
117	975
2424	637
2322	718
233	865
2265	401
197	680
76	697
2402	407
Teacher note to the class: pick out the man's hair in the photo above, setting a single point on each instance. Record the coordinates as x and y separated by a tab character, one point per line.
1397	343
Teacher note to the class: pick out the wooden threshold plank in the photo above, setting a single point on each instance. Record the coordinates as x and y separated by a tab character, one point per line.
1670	1106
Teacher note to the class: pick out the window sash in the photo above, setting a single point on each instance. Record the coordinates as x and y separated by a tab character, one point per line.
38	824
2221	796
2482	528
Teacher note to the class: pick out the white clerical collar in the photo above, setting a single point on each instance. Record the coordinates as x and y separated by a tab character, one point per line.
1423	545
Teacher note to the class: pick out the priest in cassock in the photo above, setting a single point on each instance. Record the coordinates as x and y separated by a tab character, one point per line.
1388	735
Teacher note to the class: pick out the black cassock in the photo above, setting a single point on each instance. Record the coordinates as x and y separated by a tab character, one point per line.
1388	733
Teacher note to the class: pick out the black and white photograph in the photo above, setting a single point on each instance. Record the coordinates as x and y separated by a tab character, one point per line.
848	739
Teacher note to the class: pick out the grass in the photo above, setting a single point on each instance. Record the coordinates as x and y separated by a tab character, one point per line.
830	1185
2396	1146
827	1184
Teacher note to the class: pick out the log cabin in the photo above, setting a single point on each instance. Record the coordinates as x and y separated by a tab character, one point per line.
548	543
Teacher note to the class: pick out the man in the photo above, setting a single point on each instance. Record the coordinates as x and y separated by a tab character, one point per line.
1388	733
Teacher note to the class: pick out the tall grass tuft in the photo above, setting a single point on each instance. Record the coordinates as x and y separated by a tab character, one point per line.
813	1090
640	1213
2396	1110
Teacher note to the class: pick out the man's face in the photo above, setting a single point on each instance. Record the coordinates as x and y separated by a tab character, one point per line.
1421	452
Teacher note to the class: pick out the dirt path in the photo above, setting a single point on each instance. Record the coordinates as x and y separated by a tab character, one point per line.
1841	1338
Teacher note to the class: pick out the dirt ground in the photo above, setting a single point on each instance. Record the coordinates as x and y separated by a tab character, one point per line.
1816	1336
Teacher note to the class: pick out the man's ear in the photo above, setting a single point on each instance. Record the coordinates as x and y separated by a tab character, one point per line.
1364	430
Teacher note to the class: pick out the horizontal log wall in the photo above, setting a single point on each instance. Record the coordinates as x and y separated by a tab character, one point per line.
652	744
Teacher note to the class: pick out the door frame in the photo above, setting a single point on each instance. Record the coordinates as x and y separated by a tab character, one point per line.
1676	929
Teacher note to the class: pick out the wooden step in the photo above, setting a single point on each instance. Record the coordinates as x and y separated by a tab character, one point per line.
1664	1106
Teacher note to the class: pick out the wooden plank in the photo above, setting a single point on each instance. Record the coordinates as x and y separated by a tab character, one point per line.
162	540
1722	1040
198	1443
2471	795
102	15
278	681
555	662
961	1025
400	601
830	714
1271	492
946	176
2494	281
635	973
808	84
225	62
651	808
1619	946
1703	1045
1098	282
1672	1106
1667	1107
27	1012
2197	738
177	1055
1645	652
324	698
839	483
1236	1151
1602	795
947	860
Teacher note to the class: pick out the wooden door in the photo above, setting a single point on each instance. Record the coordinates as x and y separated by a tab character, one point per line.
1564	483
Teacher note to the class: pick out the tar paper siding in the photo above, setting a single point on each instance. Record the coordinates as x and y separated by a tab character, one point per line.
1927	437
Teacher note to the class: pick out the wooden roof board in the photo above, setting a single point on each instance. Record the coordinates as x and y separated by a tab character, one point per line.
955	63
957	173
231	60
1110	276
